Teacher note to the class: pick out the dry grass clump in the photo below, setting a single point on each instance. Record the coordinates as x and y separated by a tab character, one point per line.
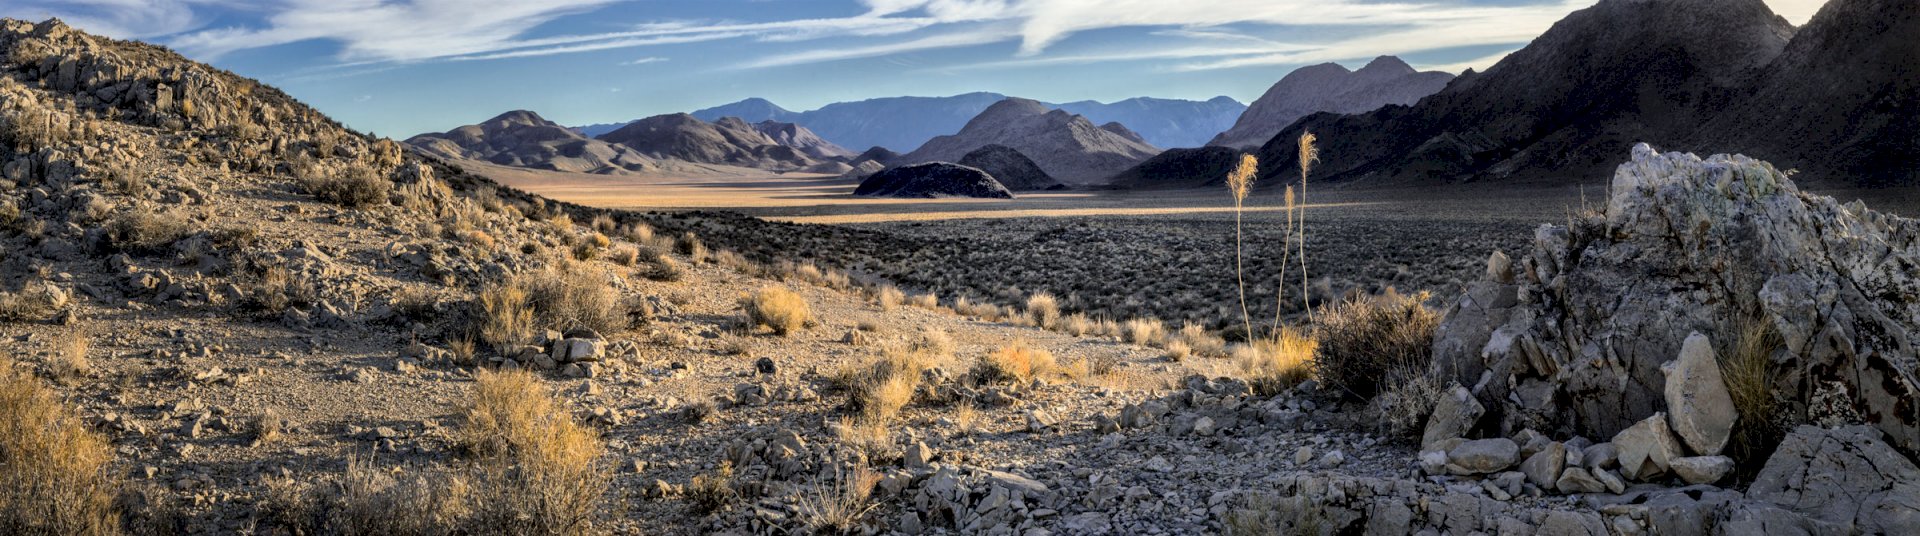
368	500
691	246
1144	332
566	296
935	342
537	470
839	507
506	319
274	290
1077	324
69	361
924	301
53	467
1043	310
1266	515
142	229
1750	374
1200	341
1178	350
779	309
1275	364
889	297
1017	363
355	186
1369	343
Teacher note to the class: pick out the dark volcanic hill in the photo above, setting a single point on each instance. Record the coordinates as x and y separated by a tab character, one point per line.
1843	99
1563	107
1066	146
1328	87
524	139
1012	169
934	179
729	141
1181	168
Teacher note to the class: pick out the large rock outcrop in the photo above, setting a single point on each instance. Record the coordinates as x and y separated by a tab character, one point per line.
933	179
1573	335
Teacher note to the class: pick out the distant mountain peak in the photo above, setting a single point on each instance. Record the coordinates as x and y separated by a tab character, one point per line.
1329	87
1387	64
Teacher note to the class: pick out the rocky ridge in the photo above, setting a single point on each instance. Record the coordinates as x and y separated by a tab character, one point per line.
1066	146
1329	87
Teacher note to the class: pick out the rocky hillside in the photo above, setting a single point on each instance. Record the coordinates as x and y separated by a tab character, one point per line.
1012	169
1182	168
729	141
524	139
1563	107
1838	103
803	140
932	180
1066	146
1332	88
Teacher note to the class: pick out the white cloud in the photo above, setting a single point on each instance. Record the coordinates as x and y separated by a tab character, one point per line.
643	61
380	30
123	19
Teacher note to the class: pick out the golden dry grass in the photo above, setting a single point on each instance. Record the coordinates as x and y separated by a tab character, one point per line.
1750	374
1017	363
779	309
506	319
1043	310
54	475
1370	343
1275	364
537	469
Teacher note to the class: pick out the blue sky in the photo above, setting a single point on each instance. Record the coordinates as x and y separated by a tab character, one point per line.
401	67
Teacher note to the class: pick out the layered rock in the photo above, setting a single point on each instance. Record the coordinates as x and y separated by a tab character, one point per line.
1574	342
934	179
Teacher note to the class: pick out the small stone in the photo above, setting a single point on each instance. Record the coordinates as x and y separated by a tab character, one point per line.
1433	462
1577	480
1543	468
1203	426
1698	405
1612	481
1334	459
765	365
1454	413
1646	448
1702	469
1303	455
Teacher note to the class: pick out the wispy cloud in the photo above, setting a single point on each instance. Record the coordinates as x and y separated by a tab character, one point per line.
643	61
380	30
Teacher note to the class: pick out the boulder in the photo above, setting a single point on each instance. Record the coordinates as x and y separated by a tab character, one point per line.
1848	477
1483	456
1577	480
1543	468
1454	413
1600	303
1647	448
1698	405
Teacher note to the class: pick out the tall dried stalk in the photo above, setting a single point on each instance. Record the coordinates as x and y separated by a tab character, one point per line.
1240	183
1309	153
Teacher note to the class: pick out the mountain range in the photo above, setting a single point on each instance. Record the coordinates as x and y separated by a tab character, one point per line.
904	123
524	139
1329	87
1837	98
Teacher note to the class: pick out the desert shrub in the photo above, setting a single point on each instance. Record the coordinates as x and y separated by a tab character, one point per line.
778	308
1043	310
1266	515
625	256
878	389
1017	363
355	186
142	229
712	492
1200	341
367	500
537	470
35	302
54	477
935	342
691	246
1370	343
274	290
1077	324
1177	351
924	301
665	269
1275	364
566	296
1402	409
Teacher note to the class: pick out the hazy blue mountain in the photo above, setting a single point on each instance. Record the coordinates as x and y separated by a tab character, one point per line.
1328	87
905	123
1164	122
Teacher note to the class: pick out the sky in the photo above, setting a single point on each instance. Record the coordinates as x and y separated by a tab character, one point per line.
402	67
